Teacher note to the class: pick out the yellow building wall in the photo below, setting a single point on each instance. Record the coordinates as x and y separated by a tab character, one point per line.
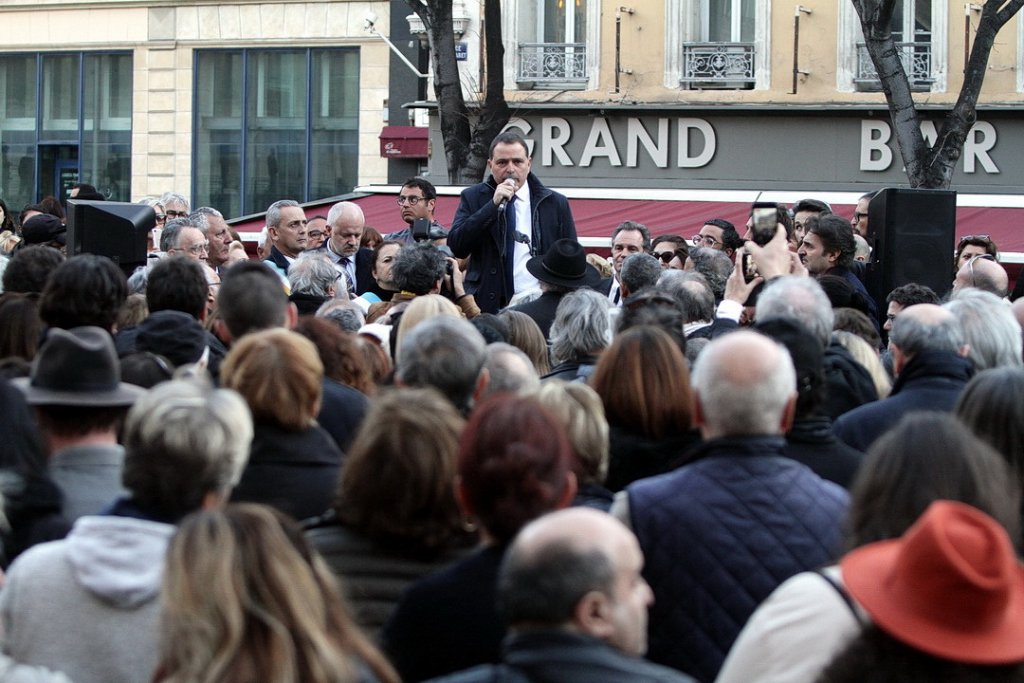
163	38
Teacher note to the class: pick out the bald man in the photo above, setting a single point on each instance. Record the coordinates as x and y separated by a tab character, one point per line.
928	350
353	263
982	272
723	531
571	589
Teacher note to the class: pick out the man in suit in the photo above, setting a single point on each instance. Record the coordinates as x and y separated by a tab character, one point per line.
355	264
286	230
628	238
504	221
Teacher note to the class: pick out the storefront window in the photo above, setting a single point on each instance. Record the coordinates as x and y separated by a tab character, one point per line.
64	118
289	131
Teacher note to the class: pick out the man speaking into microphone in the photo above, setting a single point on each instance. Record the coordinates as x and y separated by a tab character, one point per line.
503	221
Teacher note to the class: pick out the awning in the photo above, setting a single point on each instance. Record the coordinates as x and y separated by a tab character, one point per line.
999	216
407	142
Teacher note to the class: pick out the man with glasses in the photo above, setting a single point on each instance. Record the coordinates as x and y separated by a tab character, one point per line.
318	230
182	238
416	200
720	235
286	230
175	205
859	222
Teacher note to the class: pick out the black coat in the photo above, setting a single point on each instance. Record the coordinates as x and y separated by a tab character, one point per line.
931	381
810	440
295	472
479	232
558	656
632	456
448	621
541	310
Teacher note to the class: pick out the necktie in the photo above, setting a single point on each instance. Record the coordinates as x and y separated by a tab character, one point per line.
345	261
510	217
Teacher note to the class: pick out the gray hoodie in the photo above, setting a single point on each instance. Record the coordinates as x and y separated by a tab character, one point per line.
88	605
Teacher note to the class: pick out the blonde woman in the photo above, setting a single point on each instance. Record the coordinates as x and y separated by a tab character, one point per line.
245	598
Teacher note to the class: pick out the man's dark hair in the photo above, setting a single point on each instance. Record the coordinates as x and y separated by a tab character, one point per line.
177	283
544	587
730	238
836	235
251	298
77	421
910	294
427	187
30	267
509	137
633	225
171	233
692	292
640	271
417	268
84	290
715	266
815	205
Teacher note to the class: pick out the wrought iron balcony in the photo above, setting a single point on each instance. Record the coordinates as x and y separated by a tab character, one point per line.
917	62
558	65
718	65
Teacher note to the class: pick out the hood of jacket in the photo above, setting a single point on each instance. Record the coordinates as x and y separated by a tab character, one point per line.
119	559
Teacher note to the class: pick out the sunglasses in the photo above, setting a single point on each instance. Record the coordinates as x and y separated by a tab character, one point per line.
967	238
665	256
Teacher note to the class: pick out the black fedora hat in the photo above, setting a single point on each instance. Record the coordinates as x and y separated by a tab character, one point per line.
565	265
78	367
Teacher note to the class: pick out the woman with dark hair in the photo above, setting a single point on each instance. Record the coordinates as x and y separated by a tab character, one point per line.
990	406
21	328
946	602
293	462
644	383
926	457
395	518
247	599
371	238
344	362
514	464
383	258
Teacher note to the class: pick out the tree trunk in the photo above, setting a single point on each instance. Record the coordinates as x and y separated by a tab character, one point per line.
465	143
929	167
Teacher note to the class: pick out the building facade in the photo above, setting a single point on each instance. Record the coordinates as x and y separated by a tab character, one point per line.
233	103
741	94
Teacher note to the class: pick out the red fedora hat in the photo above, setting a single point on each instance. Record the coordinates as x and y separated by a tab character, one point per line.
951	586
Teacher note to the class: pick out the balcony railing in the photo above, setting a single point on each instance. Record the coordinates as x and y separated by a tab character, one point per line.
558	65
718	65
917	62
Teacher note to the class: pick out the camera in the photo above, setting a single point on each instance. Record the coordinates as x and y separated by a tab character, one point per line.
765	220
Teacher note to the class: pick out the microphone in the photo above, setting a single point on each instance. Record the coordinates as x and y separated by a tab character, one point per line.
504	202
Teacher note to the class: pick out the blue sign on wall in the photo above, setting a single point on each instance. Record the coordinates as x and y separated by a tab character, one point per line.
461	52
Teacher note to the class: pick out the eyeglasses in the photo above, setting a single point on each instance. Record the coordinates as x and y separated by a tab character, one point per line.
857	215
161	217
315	234
704	241
176	214
197	249
665	256
411	201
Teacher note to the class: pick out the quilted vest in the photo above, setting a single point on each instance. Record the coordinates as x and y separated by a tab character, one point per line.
719	535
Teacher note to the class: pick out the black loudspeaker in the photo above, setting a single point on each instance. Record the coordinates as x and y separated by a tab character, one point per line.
913	233
116	230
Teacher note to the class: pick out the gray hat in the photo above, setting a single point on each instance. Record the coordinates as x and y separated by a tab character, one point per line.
77	367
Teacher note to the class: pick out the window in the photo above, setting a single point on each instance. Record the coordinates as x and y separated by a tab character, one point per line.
552	38
63	118
274	124
720	44
919	30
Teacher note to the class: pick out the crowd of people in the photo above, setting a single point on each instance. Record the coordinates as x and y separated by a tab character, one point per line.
477	453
